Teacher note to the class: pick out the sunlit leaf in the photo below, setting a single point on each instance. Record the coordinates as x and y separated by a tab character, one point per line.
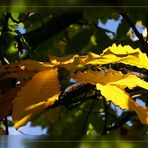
120	50
142	112
125	54
62	60
102	77
39	93
71	62
115	94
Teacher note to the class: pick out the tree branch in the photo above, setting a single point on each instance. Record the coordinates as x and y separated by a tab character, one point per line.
52	27
59	103
132	25
4	31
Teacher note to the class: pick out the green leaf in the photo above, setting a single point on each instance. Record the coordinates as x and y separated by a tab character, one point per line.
79	41
123	28
102	40
52	46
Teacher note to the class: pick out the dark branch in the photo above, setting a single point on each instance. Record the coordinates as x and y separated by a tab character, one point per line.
6	125
52	27
59	103
132	25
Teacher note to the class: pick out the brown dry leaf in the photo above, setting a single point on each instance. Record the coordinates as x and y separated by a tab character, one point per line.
17	74
38	94
6	100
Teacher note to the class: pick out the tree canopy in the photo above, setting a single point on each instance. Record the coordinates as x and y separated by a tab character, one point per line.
64	71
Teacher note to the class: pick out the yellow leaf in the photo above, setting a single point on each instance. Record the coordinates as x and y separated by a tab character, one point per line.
142	112
111	77
62	60
120	50
39	93
98	76
92	55
122	54
105	59
71	62
93	40
140	60
113	93
139	23
122	99
131	81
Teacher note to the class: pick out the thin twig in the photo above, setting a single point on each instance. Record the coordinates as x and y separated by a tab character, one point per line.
132	25
60	103
135	96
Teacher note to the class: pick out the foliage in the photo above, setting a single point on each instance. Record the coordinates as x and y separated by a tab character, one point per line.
68	74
